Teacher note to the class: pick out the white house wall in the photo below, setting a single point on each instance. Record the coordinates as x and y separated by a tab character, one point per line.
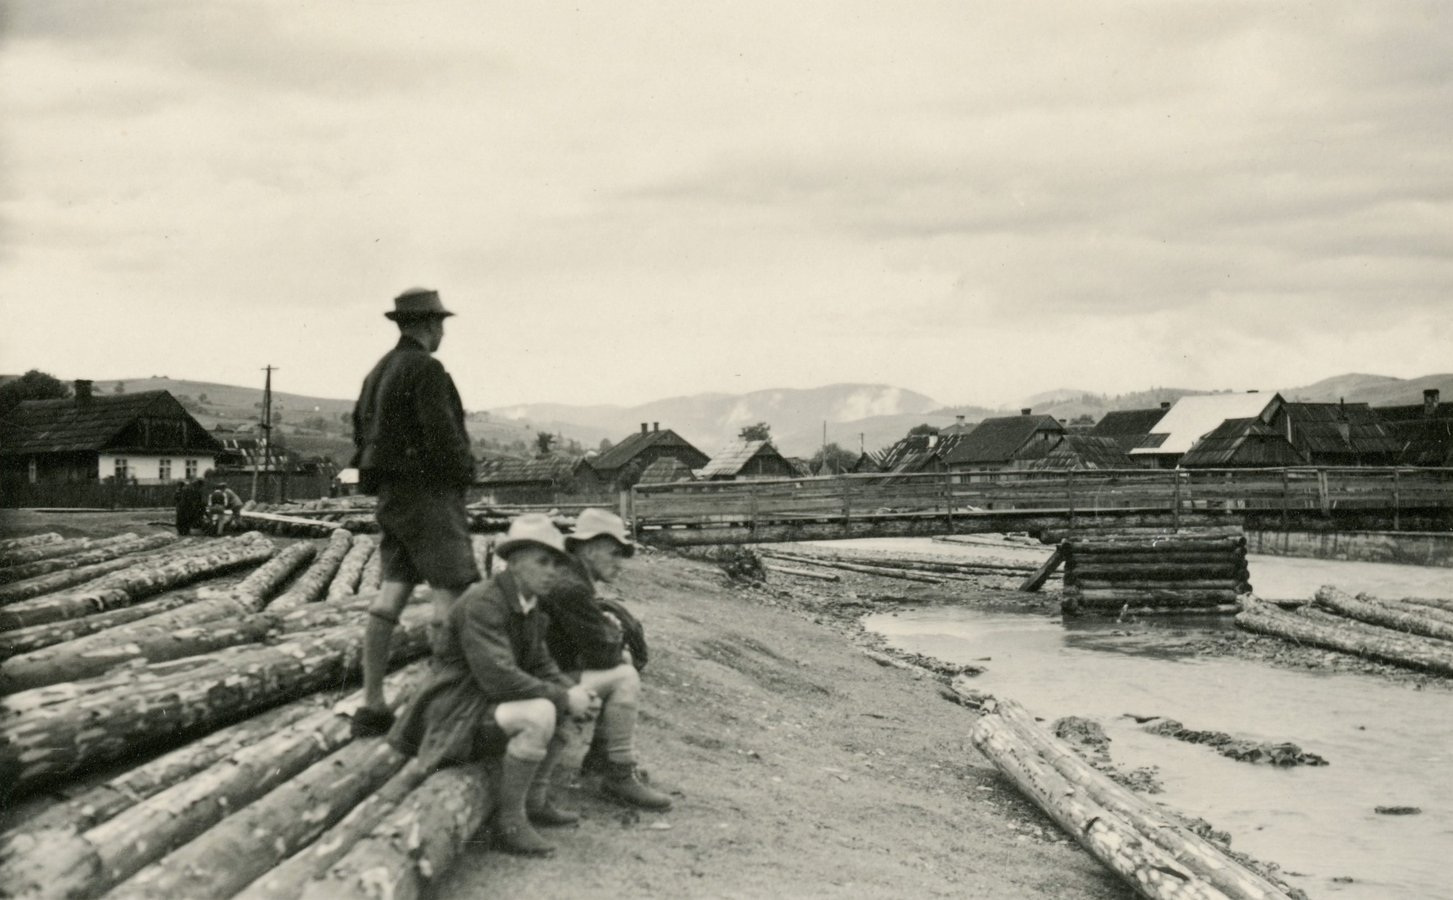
146	468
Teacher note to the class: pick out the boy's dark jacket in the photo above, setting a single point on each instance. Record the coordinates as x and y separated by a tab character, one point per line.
408	423
580	636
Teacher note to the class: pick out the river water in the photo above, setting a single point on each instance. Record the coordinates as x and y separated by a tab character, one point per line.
1387	744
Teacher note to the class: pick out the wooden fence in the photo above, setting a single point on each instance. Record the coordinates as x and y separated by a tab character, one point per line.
847	498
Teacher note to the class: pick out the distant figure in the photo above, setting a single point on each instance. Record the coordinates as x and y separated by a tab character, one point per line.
224	501
191	506
411	450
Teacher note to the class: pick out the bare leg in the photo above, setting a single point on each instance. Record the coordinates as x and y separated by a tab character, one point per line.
531	726
383	615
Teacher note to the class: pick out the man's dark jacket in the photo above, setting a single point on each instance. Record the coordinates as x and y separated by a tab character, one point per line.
580	637
408	424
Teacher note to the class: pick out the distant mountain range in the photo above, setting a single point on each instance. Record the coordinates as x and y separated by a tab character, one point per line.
879	413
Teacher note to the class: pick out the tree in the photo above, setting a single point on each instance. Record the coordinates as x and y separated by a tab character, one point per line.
120	388
544	440
33	385
758	432
605	445
839	459
925	428
202	398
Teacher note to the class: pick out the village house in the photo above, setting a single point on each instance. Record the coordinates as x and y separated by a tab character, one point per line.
542	480
1423	432
623	464
1242	443
918	453
1129	428
666	470
1084	451
1003	443
1337	434
747	459
1192	417
141	438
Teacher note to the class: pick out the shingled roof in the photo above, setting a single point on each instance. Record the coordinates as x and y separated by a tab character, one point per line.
1127	427
1242	442
1000	439
1084	451
1317	430
666	470
631	447
731	460
543	470
71	426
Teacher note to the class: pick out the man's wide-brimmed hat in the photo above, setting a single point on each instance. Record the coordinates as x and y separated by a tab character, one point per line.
531	529
417	303
593	523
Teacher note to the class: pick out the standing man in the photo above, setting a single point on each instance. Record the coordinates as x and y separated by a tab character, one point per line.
413	452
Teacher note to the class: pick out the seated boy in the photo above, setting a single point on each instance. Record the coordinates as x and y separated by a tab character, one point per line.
495	683
588	642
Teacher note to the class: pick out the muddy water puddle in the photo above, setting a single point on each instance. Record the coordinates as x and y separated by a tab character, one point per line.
1387	744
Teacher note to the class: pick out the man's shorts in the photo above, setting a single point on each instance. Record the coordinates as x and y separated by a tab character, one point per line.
425	535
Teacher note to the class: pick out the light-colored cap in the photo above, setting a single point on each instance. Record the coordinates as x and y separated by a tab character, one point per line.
531	528
592	523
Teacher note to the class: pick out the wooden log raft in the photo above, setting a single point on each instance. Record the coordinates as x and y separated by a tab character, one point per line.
126	587
1426	621
54	732
345	582
95	860
417	840
1205	860
1360	639
311	585
99	552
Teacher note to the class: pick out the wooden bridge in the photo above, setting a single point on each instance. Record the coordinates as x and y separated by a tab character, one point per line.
847	506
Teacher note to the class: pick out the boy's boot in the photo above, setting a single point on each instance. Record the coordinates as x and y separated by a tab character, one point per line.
616	730
622	782
512	831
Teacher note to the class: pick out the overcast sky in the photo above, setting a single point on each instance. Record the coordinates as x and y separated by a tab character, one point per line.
627	201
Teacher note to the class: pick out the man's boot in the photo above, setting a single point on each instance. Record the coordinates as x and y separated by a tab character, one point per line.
512	830
537	801
622	782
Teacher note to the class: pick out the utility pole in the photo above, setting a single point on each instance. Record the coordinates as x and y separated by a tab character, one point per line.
825	464
266	426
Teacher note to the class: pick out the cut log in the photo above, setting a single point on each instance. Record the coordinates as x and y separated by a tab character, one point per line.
1163	597
903	563
126	587
291	526
1368	641
899	574
1423	620
51	733
1208	584
19	543
291	877
802	573
266	579
1433	602
312	584
1158	545
62	820
60	580
1036	581
416	842
25	640
114	850
1205	859
1111	572
1215	558
99	552
350	571
1108	837
52	549
372	577
244	846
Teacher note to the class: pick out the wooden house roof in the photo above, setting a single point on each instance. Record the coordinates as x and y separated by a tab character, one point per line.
1322	429
628	449
69	425
666	470
1000	439
1423	442
730	460
541	470
915	451
1128	427
1084	451
1195	416
1242	442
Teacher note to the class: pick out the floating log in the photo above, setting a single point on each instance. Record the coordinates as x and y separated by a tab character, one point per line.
418	840
350	571
266	579
1423	620
1037	579
244	846
99	552
291	876
311	585
54	732
8	545
801	573
61	821
112	851
1110	838
1360	639
126	587
1206	860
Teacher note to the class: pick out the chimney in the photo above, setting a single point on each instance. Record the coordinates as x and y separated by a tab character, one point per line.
1430	402
655	426
643	428
1165	404
1026	411
83	391
1253	392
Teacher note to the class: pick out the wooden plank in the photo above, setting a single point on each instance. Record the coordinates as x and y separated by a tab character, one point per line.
1041	575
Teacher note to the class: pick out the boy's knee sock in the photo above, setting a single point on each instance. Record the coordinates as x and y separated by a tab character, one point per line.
617	729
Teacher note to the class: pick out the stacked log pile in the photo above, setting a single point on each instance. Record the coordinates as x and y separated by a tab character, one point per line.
1184	570
313	584
1397	632
905	568
1145	845
346	581
259	787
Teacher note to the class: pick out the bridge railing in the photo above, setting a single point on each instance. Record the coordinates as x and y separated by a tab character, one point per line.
849	497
